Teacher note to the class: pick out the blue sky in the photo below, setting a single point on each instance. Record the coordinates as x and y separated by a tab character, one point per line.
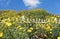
52	6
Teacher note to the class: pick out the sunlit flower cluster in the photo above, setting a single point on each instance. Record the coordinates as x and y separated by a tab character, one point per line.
8	24
30	30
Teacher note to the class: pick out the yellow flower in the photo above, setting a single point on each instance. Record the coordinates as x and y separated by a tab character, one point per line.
50	32
3	21
58	37
48	27
1	34
18	26
49	20
29	30
8	23
52	17
21	28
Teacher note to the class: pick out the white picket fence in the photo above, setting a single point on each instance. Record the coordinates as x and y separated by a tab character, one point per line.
40	20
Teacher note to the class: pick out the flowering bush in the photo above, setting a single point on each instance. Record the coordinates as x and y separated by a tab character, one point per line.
13	27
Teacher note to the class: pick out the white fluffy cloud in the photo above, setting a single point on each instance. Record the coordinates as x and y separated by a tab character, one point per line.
31	3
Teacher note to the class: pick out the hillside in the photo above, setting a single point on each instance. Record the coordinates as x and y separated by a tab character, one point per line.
13	27
34	13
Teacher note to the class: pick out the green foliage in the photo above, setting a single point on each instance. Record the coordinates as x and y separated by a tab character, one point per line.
35	13
11	28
